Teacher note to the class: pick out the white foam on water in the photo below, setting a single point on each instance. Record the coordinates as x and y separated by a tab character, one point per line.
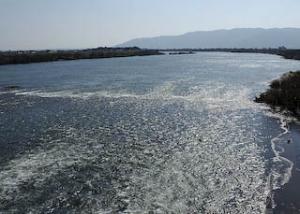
250	65
281	178
211	96
29	166
218	174
221	173
74	94
2	92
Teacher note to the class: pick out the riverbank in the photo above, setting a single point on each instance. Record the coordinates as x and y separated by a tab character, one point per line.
284	96
287	198
281	51
32	56
284	93
24	57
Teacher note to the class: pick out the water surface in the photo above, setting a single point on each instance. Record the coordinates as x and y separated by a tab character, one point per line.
162	134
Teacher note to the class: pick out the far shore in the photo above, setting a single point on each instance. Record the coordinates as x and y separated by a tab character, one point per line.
32	56
35	56
281	51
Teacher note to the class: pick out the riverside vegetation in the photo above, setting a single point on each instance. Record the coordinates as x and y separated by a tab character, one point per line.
22	57
284	93
32	56
281	51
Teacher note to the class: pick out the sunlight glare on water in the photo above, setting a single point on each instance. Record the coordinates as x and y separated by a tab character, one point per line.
167	134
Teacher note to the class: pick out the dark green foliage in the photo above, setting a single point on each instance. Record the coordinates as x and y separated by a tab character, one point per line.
284	93
20	57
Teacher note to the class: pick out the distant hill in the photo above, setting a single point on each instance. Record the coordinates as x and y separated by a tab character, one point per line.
234	38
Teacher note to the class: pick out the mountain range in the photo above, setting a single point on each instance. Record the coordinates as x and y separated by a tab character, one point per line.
233	38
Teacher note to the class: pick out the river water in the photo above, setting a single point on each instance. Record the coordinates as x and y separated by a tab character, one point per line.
156	134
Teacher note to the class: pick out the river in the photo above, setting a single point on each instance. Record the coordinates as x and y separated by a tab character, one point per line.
156	134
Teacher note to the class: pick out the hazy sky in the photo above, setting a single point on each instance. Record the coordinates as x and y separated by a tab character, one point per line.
42	24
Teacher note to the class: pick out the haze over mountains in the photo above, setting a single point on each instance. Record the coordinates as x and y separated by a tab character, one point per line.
234	38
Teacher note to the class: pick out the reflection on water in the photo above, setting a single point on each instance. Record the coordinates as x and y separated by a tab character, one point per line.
162	133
